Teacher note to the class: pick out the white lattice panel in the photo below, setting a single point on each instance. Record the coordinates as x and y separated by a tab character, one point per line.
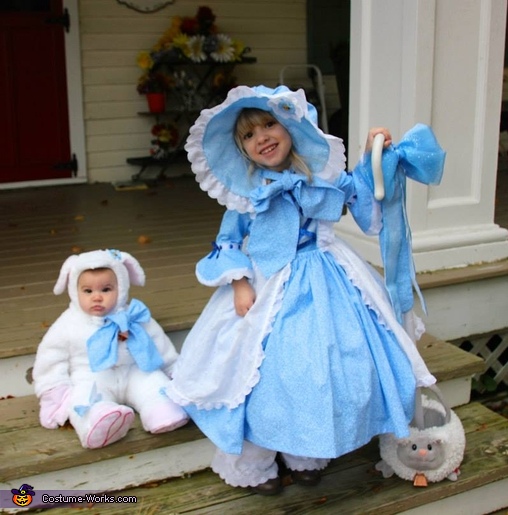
493	348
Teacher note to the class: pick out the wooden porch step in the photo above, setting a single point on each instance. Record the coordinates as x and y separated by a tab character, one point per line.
55	460
452	367
350	485
32	454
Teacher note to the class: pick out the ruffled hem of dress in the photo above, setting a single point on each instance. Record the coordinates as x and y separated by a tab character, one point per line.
226	278
208	182
243	482
261	469
276	295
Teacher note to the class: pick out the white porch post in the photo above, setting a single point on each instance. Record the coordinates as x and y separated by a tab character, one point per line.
439	63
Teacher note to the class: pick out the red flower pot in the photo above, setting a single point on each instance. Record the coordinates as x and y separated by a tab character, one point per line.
156	102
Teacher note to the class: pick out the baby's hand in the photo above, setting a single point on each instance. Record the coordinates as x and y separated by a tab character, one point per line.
244	296
373	132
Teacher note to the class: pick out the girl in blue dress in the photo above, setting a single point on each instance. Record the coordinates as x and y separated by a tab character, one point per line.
299	352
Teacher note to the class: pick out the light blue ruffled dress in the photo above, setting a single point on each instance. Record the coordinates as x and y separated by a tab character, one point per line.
321	362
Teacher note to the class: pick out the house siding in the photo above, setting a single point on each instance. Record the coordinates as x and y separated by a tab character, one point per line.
111	37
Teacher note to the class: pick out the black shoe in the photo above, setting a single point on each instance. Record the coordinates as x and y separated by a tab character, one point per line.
306	477
270	487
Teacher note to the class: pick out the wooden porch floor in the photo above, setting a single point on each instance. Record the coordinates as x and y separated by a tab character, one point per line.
41	227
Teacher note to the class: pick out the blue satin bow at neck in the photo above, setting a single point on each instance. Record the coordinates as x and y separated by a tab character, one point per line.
279	206
103	344
419	157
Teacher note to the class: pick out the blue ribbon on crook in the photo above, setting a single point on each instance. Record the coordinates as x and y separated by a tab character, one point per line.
103	344
419	157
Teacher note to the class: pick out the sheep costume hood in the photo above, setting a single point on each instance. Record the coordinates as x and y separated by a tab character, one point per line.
126	268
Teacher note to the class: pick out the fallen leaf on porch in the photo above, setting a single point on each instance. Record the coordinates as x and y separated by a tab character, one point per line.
53	231
44	324
144	239
153	484
76	249
79	218
104	202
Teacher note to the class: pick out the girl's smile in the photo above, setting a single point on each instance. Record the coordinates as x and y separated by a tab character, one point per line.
268	145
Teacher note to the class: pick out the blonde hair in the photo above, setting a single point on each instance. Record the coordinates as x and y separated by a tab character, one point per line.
246	121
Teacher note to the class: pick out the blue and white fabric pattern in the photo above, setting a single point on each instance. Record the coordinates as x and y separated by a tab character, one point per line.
321	328
320	363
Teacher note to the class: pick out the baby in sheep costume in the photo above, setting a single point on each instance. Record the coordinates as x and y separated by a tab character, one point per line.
104	356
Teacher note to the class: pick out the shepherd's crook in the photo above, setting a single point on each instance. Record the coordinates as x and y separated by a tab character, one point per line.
377	169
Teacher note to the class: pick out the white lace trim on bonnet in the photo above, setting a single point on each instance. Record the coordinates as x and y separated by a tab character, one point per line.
221	169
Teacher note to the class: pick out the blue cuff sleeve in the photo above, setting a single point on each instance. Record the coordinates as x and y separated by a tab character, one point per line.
227	261
360	198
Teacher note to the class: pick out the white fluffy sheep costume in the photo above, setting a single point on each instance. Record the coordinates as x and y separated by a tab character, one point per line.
87	371
434	448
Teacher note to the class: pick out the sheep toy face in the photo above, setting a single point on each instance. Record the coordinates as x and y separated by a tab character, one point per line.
421	453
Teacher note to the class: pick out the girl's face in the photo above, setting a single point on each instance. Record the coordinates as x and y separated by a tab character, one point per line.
268	144
97	291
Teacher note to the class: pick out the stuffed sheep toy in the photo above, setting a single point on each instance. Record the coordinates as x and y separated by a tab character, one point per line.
434	448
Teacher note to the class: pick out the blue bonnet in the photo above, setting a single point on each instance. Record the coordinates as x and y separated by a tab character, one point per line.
221	169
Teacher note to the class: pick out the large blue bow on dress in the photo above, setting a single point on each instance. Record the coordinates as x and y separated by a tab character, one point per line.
103	344
279	205
419	157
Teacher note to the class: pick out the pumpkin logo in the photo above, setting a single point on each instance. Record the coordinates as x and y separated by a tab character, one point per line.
23	496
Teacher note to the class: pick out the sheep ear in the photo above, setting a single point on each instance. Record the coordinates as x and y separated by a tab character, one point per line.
136	273
63	278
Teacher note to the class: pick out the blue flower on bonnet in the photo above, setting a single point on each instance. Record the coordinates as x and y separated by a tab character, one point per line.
220	167
284	108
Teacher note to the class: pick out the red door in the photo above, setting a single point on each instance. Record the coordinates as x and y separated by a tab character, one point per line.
34	126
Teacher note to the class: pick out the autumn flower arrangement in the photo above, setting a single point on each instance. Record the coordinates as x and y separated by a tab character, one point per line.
165	139
192	39
154	82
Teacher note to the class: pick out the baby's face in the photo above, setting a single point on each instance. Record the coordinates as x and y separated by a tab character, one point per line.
97	291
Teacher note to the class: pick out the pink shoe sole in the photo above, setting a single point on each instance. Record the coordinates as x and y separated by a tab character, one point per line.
110	428
170	427
163	417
